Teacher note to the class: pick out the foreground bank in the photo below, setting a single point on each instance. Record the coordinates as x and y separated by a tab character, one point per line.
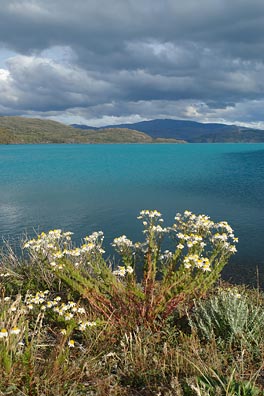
75	324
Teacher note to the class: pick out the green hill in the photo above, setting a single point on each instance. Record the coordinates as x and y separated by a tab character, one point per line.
21	130
117	135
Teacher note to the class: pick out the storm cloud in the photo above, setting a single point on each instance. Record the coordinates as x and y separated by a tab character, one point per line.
112	61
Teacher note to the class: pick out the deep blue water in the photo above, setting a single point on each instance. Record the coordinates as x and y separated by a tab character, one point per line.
84	188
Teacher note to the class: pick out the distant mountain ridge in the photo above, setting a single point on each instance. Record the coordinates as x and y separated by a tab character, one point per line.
22	130
192	131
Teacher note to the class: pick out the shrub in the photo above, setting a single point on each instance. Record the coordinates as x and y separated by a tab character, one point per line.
216	385
229	316
202	249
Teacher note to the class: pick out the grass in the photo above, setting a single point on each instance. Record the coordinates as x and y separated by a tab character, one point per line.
72	325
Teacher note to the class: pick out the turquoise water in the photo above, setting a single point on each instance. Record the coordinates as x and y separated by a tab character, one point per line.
83	188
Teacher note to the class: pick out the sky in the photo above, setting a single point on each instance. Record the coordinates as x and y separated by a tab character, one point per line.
99	62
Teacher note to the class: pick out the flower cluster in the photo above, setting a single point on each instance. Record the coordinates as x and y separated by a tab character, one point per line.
224	237
31	313
67	310
84	325
166	255
57	245
5	275
122	244
149	214
189	223
199	232
125	248
122	270
195	261
152	220
199	240
48	243
4	333
93	243
191	240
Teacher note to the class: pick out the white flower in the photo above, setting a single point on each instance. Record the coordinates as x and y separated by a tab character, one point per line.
68	316
180	235
122	241
129	269
15	330
58	255
90	324
3	333
187	264
159	229
82	326
232	249
121	271
187	213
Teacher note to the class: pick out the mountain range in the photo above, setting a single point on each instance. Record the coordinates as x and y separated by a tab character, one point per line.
21	130
191	131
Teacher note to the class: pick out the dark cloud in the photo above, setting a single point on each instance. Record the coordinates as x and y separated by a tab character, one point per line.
113	59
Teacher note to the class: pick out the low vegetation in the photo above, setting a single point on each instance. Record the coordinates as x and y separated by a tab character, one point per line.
148	321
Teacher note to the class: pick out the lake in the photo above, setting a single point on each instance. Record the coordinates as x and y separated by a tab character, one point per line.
84	188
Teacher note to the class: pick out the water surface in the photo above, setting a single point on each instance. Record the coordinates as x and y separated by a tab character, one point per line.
84	188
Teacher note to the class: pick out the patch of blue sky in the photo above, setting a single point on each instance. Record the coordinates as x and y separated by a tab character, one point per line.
5	54
59	54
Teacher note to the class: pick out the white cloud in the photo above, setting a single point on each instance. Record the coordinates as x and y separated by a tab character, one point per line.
4	74
34	83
